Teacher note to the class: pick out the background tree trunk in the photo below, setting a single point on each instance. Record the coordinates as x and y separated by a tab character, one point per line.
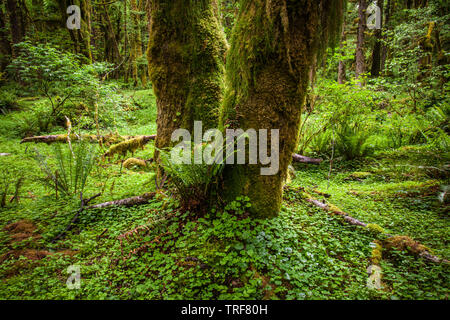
341	67
362	27
376	54
16	27
5	46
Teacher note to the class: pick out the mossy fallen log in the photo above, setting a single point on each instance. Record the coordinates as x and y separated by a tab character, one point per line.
398	242
303	159
63	138
115	139
134	162
129	145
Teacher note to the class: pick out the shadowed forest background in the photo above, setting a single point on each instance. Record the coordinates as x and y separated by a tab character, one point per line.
358	210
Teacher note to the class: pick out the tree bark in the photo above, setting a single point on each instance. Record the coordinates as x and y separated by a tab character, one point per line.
16	27
273	47
341	67
376	54
186	65
5	46
92	138
384	49
134	201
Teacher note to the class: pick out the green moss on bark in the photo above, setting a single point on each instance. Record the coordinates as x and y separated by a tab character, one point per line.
186	64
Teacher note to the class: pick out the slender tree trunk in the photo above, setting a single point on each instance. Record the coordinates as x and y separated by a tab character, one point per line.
362	27
126	38
5	46
387	14
376	54
87	28
341	67
112	35
273	48
186	65
137	44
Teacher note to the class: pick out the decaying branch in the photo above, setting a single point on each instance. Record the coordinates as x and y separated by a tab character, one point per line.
83	203
303	159
112	139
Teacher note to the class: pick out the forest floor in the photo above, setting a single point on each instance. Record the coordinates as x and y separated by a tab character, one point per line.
154	251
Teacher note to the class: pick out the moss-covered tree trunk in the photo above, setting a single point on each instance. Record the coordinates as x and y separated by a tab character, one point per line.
273	47
360	41
186	64
16	26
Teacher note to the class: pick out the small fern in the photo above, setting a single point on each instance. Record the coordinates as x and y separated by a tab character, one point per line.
194	183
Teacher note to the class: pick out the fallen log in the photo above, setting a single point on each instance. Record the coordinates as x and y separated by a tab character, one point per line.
133	201
303	159
346	217
63	138
399	242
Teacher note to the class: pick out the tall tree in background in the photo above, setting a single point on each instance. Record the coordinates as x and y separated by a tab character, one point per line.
274	44
186	64
387	19
341	66
360	41
5	46
137	53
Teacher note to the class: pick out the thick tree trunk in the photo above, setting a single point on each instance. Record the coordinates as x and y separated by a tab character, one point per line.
186	65
273	48
362	27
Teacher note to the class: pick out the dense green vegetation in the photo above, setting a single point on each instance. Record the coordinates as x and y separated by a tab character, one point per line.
384	141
